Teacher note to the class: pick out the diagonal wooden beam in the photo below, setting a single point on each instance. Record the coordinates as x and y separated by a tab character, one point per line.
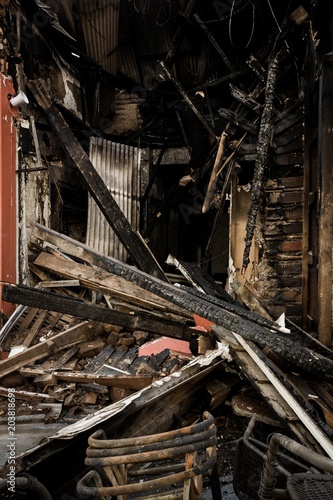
95	184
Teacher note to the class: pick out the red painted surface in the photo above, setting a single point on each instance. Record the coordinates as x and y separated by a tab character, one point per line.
158	345
202	323
7	189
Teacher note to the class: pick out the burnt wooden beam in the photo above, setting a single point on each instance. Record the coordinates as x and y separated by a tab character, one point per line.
223	79
265	132
214	43
68	338
239	120
133	382
282	344
189	101
32	297
245	99
325	235
95	185
257	68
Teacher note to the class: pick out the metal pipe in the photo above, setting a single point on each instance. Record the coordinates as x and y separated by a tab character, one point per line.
25	483
269	474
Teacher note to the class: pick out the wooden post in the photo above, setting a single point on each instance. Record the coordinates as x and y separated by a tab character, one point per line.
266	127
325	236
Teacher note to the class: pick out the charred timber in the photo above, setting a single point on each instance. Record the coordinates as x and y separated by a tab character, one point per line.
214	43
50	301
281	344
265	132
95	184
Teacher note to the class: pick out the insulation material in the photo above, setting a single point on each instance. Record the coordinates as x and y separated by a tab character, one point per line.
119	167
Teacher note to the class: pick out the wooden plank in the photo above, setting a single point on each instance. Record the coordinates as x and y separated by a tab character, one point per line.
288	122
285	245
289	136
141	321
104	282
284	183
27	320
239	120
285	197
70	337
65	357
34	330
286	213
245	99
27	395
134	382
289	159
94	183
99	360
278	227
309	424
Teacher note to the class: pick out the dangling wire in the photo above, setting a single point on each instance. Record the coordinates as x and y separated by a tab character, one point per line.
253	22
143	9
274	17
230	21
159	12
285	41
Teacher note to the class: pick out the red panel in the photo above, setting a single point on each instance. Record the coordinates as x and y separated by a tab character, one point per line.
7	189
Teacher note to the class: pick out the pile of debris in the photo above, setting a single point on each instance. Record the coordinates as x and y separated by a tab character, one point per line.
95	333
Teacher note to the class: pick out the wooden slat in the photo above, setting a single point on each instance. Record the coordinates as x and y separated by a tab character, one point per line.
134	382
70	337
103	281
34	330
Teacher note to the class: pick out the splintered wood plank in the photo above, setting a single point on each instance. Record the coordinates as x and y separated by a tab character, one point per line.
239	120
34	330
134	382
28	319
65	357
75	335
104	282
99	360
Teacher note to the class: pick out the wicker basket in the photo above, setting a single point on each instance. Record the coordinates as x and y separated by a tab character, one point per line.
310	486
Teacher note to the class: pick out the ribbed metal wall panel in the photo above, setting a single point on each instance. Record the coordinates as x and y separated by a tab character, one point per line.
119	167
99	24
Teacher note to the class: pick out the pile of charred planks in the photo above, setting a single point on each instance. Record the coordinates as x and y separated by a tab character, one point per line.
79	345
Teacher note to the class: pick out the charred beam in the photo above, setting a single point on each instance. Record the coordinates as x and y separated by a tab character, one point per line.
245	99
238	120
95	185
214	43
282	344
189	101
32	297
266	128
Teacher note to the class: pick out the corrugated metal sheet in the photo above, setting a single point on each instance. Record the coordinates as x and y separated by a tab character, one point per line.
119	167
99	24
